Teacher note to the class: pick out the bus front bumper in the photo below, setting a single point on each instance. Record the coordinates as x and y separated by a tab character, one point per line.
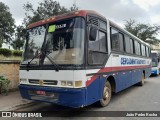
71	97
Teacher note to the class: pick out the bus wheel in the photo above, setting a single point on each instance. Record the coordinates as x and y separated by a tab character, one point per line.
107	93
141	83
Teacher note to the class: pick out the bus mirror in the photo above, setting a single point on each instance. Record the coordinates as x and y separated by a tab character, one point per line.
93	33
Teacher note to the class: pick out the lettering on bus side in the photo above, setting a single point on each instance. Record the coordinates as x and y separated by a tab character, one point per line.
132	61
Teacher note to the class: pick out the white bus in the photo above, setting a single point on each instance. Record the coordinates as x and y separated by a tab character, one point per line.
80	58
155	55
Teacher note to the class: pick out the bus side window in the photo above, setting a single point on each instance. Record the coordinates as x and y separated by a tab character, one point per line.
102	43
97	49
102	25
117	39
132	46
94	45
137	48
147	53
143	50
127	44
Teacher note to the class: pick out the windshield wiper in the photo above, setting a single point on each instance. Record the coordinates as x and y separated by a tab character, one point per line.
47	55
28	64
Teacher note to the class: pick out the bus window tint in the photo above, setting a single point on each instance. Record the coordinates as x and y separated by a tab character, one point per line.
97	49
94	45
102	25
116	40
132	46
127	43
102	39
147	52
137	48
143	50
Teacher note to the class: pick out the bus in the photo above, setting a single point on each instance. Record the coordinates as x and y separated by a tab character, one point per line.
80	58
155	55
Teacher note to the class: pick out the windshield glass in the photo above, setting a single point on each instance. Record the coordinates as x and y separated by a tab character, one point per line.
153	55
154	62
65	42
35	38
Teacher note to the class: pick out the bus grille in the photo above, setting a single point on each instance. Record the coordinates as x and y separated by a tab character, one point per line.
45	82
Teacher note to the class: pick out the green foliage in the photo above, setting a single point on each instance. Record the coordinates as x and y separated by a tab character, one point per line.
6	24
4	85
17	53
146	32
8	52
5	52
18	43
45	9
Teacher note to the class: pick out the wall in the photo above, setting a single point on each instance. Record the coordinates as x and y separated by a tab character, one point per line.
10	69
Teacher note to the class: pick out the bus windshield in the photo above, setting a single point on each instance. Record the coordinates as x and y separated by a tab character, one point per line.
154	61
63	44
34	40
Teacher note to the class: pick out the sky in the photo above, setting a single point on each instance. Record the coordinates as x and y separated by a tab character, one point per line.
118	11
143	11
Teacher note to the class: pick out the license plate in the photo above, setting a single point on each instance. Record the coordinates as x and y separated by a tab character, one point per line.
41	92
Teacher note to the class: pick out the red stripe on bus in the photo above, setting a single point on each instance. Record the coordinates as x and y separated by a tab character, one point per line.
113	69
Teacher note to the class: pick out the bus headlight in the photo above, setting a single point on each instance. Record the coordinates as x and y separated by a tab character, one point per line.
23	80
78	83
69	83
63	83
66	83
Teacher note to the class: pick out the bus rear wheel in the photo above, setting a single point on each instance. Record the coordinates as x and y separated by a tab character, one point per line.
141	83
107	93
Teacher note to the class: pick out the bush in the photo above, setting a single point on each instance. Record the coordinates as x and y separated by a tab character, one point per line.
17	53
4	85
5	52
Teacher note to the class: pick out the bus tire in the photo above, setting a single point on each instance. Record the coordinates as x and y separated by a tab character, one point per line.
141	83
107	93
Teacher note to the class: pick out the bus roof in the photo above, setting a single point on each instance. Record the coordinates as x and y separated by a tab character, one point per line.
82	13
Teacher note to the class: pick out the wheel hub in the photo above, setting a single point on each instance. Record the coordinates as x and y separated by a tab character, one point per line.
106	93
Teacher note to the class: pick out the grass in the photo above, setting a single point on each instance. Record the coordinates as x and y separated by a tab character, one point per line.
2	57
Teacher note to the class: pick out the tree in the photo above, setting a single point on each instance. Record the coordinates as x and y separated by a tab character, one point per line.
18	43
45	9
6	24
146	32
